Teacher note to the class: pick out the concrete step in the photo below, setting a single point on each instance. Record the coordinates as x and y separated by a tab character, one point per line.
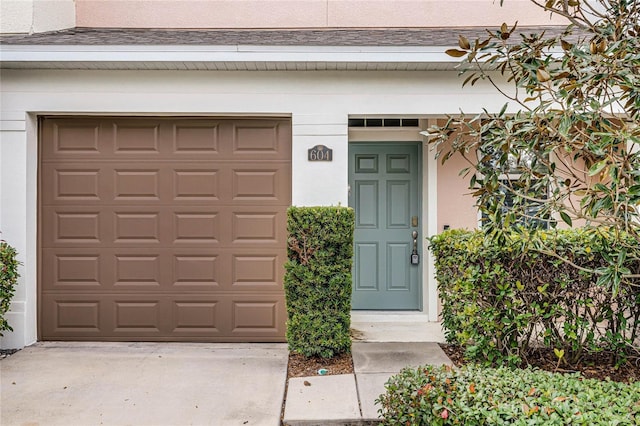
322	400
349	399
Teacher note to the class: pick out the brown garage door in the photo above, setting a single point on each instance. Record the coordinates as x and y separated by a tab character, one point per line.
163	228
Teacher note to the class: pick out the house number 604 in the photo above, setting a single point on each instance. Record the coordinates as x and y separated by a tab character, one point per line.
320	153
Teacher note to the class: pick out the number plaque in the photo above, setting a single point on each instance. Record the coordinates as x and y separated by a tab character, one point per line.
320	153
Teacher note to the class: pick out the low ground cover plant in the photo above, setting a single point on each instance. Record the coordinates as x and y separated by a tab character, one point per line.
8	278
318	280
474	395
548	289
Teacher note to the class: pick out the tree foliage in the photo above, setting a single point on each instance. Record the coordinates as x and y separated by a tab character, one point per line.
8	280
571	149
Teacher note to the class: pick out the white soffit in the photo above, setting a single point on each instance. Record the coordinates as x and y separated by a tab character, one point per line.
237	57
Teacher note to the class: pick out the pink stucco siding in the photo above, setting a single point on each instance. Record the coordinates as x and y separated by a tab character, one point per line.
456	206
305	13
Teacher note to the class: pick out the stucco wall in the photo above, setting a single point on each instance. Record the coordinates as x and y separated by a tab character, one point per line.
456	207
33	16
305	13
27	16
16	16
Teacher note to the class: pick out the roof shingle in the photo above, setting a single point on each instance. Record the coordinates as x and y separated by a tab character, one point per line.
442	36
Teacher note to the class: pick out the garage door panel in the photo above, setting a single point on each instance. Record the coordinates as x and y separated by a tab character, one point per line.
197	226
263	226
136	184
69	138
195	315
71	183
135	270
258	316
267	139
257	271
256	182
196	184
71	225
197	271
255	138
72	315
142	317
136	137
72	269
196	138
137	227
163	229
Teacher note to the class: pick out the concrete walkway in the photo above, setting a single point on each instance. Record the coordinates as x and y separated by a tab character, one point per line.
349	399
58	383
72	383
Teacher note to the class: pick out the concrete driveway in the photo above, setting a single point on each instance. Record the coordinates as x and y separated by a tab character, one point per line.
60	383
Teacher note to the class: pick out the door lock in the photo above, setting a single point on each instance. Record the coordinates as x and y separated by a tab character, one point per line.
415	257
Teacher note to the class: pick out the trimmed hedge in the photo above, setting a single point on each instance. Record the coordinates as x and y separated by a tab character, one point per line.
318	280
8	278
501	396
499	301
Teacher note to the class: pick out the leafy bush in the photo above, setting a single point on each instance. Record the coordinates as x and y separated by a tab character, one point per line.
545	288
318	280
8	278
500	396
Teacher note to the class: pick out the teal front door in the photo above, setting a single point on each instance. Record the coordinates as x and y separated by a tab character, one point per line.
384	191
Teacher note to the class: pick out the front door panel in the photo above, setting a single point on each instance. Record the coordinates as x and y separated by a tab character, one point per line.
385	194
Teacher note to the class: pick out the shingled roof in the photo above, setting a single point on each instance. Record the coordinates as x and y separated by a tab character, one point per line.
360	49
442	36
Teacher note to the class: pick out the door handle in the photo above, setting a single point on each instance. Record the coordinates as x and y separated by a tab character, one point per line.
415	257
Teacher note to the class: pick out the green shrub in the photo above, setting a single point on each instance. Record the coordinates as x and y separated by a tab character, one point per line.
318	280
501	396
500	300
8	278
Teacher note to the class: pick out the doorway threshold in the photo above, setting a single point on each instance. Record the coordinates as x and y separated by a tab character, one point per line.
394	326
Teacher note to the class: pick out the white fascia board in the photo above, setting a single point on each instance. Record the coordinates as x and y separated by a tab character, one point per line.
240	53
